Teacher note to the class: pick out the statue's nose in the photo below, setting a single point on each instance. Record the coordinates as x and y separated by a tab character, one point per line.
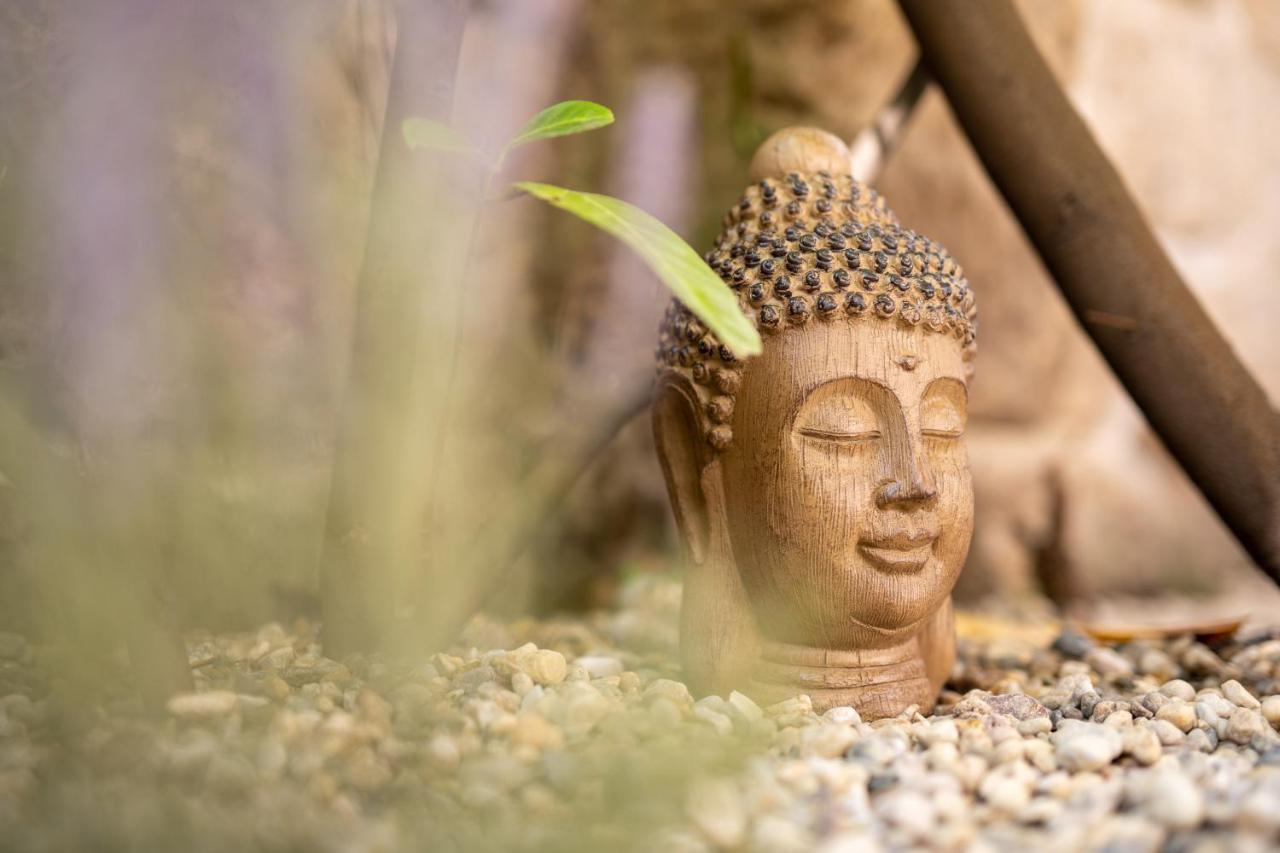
906	491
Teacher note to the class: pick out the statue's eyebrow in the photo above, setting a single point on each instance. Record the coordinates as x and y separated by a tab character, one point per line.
852	380
857	382
946	381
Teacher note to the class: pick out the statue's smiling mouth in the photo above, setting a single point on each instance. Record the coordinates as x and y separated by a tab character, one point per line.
899	554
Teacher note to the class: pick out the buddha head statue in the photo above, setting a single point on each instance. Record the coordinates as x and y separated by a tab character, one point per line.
822	488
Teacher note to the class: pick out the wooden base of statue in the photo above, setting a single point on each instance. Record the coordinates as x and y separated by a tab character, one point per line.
822	488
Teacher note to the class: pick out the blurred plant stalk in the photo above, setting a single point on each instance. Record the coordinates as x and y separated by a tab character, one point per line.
405	332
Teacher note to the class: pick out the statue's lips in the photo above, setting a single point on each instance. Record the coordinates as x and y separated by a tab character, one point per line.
899	554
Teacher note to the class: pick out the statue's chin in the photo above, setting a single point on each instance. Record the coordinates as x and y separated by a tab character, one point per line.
888	614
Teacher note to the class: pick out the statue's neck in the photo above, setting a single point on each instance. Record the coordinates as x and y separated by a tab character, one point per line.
878	682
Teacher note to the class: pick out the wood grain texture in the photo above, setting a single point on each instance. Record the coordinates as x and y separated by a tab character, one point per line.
827	520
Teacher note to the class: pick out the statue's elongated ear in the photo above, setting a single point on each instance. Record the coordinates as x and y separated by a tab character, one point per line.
684	453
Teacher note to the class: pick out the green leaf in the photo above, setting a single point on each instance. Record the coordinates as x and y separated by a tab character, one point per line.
563	119
672	259
428	133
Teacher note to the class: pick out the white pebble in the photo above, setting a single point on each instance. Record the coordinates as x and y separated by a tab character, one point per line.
598	666
214	703
844	715
1087	746
545	666
1236	693
1271	710
716	809
1244	725
746	707
1179	713
1178	689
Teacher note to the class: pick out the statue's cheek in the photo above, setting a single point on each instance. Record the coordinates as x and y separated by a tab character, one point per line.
834	492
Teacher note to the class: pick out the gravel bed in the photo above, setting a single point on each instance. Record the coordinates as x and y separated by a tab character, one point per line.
579	735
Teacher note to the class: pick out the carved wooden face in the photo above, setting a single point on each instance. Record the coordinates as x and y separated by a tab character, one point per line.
847	498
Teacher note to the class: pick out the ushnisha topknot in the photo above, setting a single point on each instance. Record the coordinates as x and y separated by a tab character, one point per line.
812	247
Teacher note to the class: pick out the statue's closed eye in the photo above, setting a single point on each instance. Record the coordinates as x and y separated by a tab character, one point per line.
840	413
943	409
840	436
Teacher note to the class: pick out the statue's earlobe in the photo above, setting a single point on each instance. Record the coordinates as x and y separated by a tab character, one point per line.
683	453
718	637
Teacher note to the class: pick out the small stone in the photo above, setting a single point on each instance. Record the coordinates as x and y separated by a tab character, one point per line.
1178	689
213	703
673	691
1206	713
275	687
1035	726
599	666
1121	719
907	810
1142	744
1155	662
1271	710
1017	705
1179	713
940	731
1004	792
1236	693
827	741
1167	732
443	752
1199	659
1073	644
1108	663
717	811
746	707
1154	701
366	771
718	721
583	710
1201	740
1244	725
776	834
1221	706
1173	800
521	683
1087	746
545	667
535	731
843	715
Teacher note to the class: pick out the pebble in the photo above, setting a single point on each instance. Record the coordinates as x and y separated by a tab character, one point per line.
545	667
1271	710
1178	689
1244	725
1236	694
1087	746
1181	714
1108	662
714	807
1072	643
214	703
1173	800
746	708
1143	744
599	666
1167	732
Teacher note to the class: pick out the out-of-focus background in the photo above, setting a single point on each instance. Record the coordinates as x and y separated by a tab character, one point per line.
183	214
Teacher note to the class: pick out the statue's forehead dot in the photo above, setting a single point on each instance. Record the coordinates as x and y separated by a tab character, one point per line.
908	361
